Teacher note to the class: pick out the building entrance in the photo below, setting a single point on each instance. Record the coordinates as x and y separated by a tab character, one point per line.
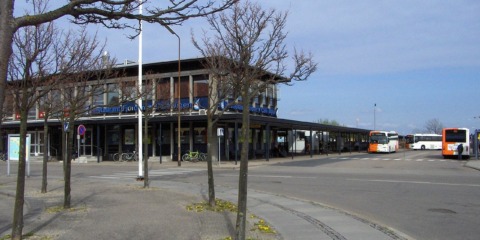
86	144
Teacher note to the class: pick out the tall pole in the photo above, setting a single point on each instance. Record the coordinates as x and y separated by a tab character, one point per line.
179	146
179	95
139	100
374	117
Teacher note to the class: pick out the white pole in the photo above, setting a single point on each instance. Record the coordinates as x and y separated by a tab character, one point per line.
140	115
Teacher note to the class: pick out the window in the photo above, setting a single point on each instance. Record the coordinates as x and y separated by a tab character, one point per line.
148	90
455	136
184	88
112	94
200	88
129	91
163	89
98	95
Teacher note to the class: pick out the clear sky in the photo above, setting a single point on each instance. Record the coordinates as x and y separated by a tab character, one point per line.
416	60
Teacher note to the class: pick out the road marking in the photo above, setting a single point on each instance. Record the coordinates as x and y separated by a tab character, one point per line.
151	173
398	159
414	182
268	176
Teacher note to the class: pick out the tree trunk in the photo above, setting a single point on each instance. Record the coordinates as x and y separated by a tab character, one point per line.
243	176
45	155
211	152
6	39
146	183
17	226
68	165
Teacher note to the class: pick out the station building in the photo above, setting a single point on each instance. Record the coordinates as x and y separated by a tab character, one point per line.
110	126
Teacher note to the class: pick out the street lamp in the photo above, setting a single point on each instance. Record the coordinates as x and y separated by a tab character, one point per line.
178	105
374	117
139	100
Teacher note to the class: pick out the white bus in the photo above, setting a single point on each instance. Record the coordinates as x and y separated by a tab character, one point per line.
383	141
422	141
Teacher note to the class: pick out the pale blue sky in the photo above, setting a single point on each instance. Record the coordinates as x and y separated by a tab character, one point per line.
417	60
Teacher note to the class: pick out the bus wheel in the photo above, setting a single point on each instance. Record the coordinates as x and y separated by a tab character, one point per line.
423	147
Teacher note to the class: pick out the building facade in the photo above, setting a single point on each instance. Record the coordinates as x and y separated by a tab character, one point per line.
173	98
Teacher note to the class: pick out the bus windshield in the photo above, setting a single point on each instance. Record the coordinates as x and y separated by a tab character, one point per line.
381	139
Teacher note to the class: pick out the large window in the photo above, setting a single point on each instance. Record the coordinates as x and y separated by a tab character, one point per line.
98	95
129	91
184	88
148	91
200	88
270	95
112	94
163	89
8	107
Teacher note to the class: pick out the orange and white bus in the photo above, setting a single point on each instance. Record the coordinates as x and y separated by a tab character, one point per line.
422	141
452	137
383	141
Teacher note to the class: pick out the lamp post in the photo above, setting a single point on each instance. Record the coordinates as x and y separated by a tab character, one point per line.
374	117
139	103
179	148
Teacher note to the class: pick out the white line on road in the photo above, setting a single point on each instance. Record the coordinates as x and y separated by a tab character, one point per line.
267	176
414	182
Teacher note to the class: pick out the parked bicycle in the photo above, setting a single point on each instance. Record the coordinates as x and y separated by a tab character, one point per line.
194	156
117	157
126	156
130	156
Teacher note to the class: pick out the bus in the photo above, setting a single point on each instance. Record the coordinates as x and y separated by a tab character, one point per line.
383	141
422	141
452	137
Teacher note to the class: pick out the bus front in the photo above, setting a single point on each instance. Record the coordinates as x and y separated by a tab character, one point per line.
378	142
409	141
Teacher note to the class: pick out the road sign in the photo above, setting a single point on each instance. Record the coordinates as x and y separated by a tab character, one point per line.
81	130
65	126
220	132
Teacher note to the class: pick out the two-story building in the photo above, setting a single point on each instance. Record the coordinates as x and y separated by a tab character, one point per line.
111	124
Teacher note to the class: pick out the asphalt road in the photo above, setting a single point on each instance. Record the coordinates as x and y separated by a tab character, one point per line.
416	192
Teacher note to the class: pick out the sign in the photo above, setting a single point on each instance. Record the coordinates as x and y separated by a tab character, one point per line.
14	147
81	130
65	126
220	132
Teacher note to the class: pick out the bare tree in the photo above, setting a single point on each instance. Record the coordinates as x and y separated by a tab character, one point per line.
28	66
109	13
248	47
434	126
43	62
86	82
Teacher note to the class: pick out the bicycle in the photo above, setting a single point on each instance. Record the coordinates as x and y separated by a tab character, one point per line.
130	156
3	156
116	157
194	156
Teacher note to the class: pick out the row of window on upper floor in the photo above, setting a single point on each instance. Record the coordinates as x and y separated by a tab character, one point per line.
113	94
